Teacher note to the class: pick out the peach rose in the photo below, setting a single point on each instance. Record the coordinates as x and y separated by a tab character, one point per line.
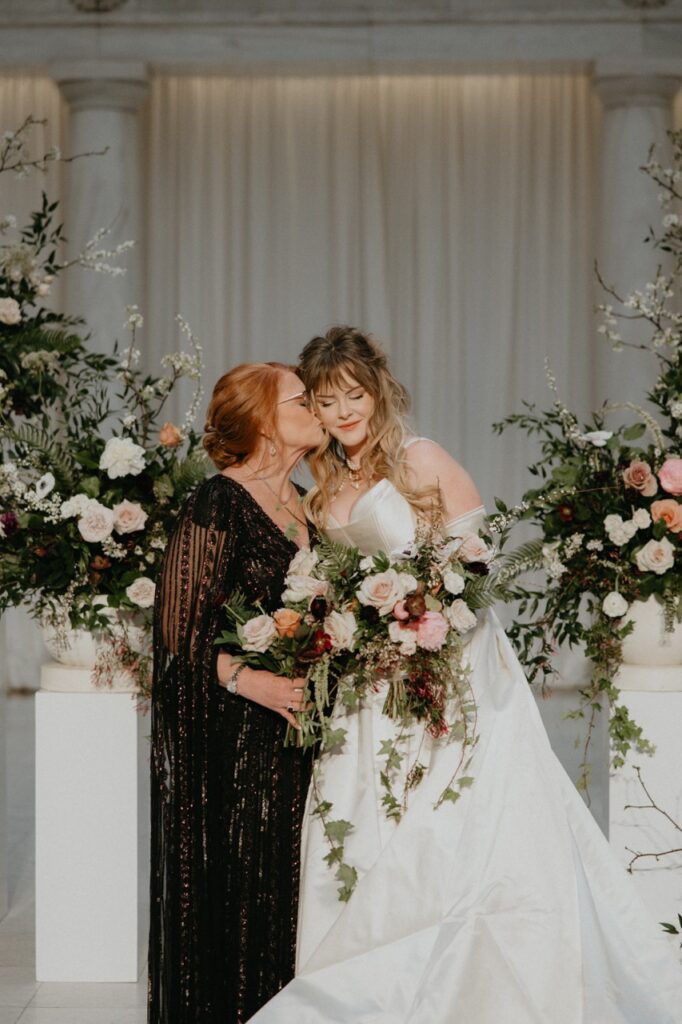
670	512
433	628
473	549
670	475
170	435
129	517
287	621
638	475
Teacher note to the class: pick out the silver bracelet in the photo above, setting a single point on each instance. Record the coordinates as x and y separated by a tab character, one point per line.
231	684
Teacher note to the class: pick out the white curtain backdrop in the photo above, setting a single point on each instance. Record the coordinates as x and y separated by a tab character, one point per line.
451	215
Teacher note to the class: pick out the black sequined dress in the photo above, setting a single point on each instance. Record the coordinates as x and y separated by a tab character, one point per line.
227	796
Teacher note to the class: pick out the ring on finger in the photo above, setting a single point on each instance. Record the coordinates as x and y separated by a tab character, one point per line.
290	707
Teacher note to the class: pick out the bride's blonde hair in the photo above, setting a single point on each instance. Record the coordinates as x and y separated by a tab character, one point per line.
328	361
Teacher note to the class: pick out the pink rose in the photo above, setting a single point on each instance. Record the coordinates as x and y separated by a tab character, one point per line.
96	522
657	556
432	631
383	590
670	511
473	549
400	612
128	517
638	475
670	475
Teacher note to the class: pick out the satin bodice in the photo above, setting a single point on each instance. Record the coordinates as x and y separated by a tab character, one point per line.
383	520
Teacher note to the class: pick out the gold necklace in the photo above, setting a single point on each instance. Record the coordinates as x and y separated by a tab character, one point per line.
281	503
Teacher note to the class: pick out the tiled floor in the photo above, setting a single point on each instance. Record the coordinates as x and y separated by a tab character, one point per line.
22	998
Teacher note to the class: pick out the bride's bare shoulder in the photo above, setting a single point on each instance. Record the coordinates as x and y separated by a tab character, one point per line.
430	464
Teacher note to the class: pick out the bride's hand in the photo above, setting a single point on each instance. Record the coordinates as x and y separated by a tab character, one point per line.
265	688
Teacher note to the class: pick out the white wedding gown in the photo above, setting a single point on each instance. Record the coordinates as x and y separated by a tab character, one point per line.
507	907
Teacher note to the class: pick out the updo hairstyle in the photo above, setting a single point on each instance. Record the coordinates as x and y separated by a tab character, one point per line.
243	408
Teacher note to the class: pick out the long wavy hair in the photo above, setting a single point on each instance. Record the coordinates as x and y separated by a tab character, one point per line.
327	361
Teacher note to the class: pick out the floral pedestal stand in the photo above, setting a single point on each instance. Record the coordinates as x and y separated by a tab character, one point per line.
91	830
650	681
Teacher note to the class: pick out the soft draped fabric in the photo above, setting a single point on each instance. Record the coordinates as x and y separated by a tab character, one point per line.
452	215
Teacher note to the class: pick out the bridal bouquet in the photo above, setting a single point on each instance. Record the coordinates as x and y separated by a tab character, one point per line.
395	624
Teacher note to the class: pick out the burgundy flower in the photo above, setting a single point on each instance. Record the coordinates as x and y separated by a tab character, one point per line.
565	513
318	608
415	605
9	522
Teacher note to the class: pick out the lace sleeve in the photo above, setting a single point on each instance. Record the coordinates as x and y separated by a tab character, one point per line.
194	573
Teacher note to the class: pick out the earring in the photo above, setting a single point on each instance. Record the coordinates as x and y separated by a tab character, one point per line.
273	449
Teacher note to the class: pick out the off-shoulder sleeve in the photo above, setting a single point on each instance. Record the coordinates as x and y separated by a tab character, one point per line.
468	522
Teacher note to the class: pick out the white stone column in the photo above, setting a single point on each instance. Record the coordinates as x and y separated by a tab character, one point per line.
106	191
637	95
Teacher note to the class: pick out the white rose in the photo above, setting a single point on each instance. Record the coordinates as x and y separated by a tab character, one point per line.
641	519
460	616
597	437
657	556
367	563
96	522
407	638
612	521
303	588
142	591
341	627
473	549
258	633
10	312
75	506
614	605
44	486
453	582
303	563
383	590
128	517
122	457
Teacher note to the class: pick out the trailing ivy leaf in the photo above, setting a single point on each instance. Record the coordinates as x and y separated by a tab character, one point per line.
336	831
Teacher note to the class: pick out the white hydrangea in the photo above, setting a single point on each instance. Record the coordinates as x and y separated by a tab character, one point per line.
641	519
676	409
122	457
75	506
594	545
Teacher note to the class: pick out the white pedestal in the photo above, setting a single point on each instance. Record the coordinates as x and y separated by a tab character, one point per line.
91	837
647	831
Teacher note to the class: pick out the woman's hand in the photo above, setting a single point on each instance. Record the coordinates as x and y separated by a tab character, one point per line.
265	688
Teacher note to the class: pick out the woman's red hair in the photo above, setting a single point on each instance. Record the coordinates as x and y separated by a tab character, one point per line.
242	409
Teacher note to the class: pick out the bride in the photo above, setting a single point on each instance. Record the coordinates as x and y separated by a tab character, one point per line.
507	907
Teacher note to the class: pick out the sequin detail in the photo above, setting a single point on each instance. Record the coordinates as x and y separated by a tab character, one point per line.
227	796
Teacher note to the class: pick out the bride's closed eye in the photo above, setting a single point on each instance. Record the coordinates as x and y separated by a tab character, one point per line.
324	403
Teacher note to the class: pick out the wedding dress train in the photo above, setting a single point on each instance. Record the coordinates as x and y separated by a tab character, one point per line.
507	907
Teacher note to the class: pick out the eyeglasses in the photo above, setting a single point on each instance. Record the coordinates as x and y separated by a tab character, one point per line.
299	394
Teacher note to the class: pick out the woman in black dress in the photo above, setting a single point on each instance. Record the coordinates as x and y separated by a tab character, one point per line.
227	796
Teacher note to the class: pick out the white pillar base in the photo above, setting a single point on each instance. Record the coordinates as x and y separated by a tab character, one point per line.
91	837
647	831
